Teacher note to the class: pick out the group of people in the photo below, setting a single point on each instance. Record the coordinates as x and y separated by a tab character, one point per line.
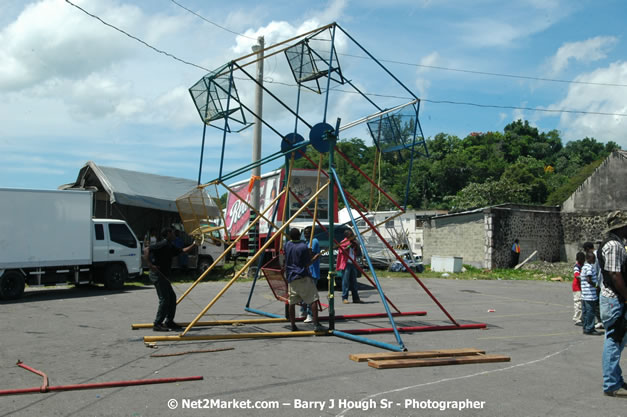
302	271
600	292
586	288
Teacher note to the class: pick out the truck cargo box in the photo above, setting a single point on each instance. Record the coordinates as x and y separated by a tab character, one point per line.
43	228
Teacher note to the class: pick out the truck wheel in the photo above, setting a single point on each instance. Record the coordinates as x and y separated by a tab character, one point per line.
204	264
115	277
11	285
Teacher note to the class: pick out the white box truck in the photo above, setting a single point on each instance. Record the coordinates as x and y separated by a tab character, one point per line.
48	237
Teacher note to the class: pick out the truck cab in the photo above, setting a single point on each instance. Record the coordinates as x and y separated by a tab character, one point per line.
116	252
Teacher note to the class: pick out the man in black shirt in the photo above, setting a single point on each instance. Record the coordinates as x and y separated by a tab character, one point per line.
159	259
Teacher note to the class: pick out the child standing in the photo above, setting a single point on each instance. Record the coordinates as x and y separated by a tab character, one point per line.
581	258
589	296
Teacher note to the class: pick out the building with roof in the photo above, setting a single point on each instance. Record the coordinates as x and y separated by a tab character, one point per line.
584	213
145	201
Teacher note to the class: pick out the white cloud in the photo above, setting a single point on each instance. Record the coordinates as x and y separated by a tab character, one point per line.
423	83
51	39
605	99
508	23
590	50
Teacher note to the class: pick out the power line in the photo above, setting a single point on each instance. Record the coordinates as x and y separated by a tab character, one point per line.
209	21
344	91
493	74
494	106
136	38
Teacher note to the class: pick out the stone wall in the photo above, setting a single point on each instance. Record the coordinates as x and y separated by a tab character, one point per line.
584	213
483	238
455	235
536	228
579	228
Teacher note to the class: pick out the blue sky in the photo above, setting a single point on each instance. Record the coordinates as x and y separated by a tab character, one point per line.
73	89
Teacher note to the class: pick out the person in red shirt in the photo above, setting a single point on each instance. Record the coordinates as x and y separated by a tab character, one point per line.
581	258
349	252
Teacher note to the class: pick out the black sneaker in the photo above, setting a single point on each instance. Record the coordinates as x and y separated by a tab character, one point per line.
593	333
319	328
173	326
159	328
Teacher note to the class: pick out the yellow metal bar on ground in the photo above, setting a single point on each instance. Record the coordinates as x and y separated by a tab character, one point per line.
251	260
223	254
180	338
217	323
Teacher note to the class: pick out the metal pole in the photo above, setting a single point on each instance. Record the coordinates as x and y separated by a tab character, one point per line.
202	150
255	198
258	115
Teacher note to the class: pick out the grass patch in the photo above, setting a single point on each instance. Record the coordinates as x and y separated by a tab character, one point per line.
472	273
226	273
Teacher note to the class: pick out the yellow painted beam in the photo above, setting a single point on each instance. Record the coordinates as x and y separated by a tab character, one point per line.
216	323
179	338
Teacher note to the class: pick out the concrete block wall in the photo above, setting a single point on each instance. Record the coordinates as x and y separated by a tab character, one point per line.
462	236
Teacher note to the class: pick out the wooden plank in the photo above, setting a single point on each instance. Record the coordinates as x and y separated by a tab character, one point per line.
363	357
526	260
460	360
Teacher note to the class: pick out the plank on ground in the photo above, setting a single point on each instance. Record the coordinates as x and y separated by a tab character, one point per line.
363	357
460	360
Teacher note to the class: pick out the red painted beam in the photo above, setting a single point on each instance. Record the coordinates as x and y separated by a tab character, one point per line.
111	384
416	328
373	315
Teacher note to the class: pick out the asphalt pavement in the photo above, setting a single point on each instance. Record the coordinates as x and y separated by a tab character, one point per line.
84	335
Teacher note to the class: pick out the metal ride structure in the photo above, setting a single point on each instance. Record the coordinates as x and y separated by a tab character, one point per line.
312	59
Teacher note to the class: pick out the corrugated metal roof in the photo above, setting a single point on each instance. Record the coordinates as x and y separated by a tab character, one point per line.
137	189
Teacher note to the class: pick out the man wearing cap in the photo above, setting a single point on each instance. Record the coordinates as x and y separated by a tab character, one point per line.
612	260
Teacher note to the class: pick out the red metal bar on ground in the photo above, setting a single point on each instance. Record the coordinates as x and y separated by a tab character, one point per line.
373	315
44	386
417	329
111	384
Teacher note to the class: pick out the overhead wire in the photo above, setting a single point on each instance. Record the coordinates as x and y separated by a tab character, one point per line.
209	21
368	94
494	74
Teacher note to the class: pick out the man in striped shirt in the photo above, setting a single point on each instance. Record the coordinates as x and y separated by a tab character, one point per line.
589	294
612	259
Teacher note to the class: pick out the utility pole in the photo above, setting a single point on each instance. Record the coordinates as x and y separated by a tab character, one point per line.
256	171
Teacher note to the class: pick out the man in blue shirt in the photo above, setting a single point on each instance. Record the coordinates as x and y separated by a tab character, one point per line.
301	286
314	271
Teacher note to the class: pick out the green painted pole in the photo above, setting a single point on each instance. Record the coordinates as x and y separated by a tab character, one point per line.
332	138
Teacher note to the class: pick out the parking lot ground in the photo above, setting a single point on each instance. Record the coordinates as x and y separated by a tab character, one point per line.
80	336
